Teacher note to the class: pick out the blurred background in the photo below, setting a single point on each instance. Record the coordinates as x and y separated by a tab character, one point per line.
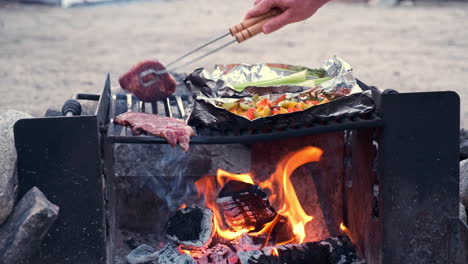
49	52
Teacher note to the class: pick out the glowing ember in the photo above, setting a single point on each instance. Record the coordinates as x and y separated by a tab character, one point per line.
343	227
184	251
274	252
282	195
182	206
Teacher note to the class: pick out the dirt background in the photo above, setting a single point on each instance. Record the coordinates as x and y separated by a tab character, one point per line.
47	54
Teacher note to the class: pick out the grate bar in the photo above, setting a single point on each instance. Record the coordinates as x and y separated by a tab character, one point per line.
154	107
129	102
180	105
208	136
167	107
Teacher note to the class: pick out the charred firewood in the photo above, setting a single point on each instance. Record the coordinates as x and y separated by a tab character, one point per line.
170	254
335	250
245	206
219	254
248	243
191	227
142	254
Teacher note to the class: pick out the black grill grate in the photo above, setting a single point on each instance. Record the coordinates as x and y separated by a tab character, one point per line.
177	106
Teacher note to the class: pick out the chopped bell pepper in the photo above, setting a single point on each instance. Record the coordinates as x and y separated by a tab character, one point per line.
262	111
263	102
292	104
281	98
307	106
284	103
229	106
250	113
314	102
300	105
324	101
244	106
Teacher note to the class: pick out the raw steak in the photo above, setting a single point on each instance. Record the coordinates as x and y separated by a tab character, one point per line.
172	129
162	88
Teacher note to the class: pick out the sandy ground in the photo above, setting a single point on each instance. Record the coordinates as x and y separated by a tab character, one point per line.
47	54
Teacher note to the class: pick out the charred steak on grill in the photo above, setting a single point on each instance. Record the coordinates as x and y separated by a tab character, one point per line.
172	129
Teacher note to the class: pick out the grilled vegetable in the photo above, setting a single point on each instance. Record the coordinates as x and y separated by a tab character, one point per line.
293	78
229	106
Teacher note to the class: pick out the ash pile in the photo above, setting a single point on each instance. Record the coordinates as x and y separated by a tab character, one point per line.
264	235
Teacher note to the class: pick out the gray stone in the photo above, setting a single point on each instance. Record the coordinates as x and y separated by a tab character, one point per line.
8	178
463	214
142	254
463	144
464	183
22	233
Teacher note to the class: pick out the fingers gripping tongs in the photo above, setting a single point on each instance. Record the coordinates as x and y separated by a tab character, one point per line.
241	32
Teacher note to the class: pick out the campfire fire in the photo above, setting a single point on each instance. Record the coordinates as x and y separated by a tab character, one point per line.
282	195
241	219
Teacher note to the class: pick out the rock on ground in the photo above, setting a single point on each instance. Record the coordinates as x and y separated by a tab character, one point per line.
464	183
22	233
463	144
8	178
463	214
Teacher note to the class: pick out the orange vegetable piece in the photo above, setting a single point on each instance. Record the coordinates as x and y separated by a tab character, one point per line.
314	102
324	101
281	98
262	102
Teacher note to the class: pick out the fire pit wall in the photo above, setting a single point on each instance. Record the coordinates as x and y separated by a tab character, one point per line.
152	181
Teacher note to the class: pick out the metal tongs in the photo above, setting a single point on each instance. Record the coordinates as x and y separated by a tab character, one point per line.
241	32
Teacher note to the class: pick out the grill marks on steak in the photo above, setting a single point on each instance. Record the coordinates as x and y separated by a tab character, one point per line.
172	129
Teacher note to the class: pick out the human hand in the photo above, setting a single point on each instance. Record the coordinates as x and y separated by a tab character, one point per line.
293	11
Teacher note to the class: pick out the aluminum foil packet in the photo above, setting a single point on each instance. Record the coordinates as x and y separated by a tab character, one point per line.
212	89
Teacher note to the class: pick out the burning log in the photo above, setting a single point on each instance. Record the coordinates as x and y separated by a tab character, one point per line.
335	250
191	227
245	206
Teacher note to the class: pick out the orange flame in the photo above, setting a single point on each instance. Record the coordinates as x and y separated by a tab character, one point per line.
343	227
275	252
223	176
282	194
184	251
182	206
283	191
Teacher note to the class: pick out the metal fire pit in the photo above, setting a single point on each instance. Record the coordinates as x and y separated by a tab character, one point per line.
400	182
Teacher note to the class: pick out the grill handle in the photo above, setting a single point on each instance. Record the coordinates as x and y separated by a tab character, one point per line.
71	108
